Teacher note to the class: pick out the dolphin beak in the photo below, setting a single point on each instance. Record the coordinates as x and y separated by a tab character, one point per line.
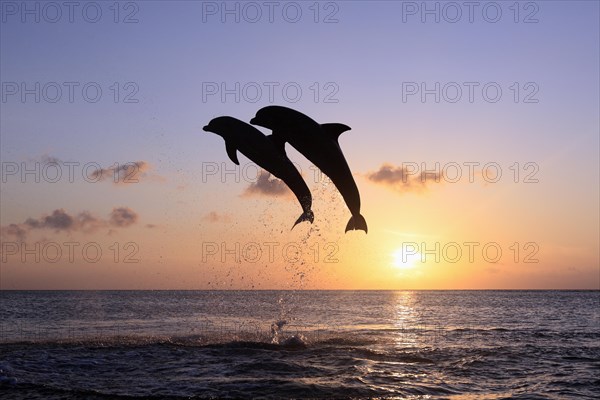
206	128
254	121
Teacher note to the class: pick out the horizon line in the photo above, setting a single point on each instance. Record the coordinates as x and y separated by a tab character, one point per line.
302	290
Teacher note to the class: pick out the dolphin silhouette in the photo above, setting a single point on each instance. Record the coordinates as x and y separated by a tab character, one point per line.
265	152
318	143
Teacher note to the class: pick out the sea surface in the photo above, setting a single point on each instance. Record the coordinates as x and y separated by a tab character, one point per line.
299	344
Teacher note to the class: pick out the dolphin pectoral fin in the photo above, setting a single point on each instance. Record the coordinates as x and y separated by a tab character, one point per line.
357	222
278	142
334	130
306	216
232	152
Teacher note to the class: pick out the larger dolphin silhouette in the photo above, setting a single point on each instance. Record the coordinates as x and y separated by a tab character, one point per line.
318	143
261	149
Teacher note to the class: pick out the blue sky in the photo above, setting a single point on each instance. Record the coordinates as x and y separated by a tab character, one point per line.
170	52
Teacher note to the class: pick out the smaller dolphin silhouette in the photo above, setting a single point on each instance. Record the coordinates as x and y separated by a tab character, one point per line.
265	152
318	143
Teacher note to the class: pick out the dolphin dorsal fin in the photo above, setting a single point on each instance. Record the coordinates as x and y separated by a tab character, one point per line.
278	142
334	130
232	152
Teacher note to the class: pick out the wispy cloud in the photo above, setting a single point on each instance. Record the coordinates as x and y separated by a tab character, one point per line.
403	180
215	217
61	221
123	174
266	186
119	174
123	217
15	231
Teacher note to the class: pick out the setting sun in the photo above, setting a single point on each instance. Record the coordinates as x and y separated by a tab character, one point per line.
405	259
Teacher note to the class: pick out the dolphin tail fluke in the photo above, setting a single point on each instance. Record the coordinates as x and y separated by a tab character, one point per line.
357	222
306	216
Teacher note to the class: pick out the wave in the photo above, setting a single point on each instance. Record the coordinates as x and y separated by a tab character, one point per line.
248	340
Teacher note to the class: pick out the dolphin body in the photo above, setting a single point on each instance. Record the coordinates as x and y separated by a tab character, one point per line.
319	144
261	149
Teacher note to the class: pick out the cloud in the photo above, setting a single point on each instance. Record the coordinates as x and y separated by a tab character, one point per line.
404	179
118	174
122	174
14	230
214	217
61	221
46	159
87	222
265	186
123	216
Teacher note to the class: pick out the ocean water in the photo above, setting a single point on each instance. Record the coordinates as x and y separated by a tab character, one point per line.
304	344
